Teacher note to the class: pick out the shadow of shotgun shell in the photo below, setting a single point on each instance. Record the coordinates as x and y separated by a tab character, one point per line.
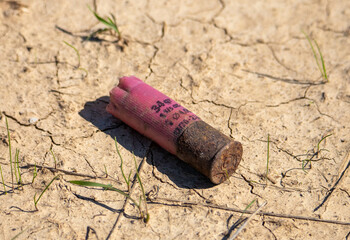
175	128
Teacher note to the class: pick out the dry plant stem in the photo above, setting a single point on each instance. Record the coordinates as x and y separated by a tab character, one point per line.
10	152
269	214
60	170
246	222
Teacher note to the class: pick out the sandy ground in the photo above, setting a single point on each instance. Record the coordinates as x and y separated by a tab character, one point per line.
244	67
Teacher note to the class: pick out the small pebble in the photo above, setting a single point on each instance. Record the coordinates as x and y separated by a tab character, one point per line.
33	120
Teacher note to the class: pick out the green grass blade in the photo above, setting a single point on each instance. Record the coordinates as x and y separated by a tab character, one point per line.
318	144
129	176
139	179
2	178
246	222
114	20
127	181
102	20
54	158
10	151
107	187
95	184
146	219
109	22
76	51
226	174
313	51
18	169
268	155
18	234
322	69
140	200
47	186
34	173
105	170
247	207
304	163
322	61
115	24
86	71
15	164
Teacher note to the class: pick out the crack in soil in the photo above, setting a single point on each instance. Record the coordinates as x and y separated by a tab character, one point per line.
214	23
287	102
343	190
347	236
199	194
214	103
263	224
251	186
228	123
48	133
151	62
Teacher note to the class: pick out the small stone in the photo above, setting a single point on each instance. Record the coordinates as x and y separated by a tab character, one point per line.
33	120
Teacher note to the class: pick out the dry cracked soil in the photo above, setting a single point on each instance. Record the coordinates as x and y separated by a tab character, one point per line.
244	67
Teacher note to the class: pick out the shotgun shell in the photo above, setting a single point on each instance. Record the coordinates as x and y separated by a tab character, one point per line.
175	128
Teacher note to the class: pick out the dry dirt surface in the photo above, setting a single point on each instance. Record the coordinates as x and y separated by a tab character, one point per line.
244	67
